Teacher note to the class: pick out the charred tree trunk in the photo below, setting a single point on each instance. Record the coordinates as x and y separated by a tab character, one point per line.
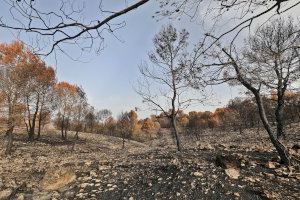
76	135
9	132
40	118
175	131
32	127
279	115
39	127
62	125
123	140
282	151
65	134
9	138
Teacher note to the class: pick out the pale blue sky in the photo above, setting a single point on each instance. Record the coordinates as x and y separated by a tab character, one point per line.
108	78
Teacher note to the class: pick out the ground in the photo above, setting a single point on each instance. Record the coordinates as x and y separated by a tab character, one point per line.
97	167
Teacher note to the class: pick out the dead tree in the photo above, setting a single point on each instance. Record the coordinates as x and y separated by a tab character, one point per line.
269	61
162	85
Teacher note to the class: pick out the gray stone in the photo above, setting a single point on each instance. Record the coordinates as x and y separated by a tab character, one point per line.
69	194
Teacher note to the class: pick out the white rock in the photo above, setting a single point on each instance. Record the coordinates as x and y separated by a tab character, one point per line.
198	174
232	173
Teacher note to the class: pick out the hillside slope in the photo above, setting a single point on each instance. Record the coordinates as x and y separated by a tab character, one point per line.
97	167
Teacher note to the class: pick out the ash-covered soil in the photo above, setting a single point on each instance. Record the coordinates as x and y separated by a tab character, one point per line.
97	167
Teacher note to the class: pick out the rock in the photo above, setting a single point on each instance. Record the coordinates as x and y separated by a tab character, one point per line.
87	178
20	197
42	196
88	163
55	194
131	198
214	176
97	180
269	175
236	194
56	179
227	162
193	185
93	174
206	147
1	183
198	174
175	161
270	165
5	194
232	173
250	179
103	167
69	194
83	185
80	195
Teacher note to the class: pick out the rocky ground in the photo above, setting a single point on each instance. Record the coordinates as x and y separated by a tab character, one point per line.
221	165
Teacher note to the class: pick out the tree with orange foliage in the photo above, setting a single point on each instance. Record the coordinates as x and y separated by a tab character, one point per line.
38	81
47	84
65	98
148	125
12	57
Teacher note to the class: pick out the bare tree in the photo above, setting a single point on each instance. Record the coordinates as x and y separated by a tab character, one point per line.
65	23
162	85
123	126
79	110
103	114
269	61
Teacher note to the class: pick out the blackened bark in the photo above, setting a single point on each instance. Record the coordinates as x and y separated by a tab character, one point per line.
76	135
279	113
282	151
175	131
9	132
9	137
62	127
32	125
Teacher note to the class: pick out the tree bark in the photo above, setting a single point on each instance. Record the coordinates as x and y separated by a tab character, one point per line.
32	125
279	116
282	151
76	135
9	132
62	127
40	118
9	138
175	131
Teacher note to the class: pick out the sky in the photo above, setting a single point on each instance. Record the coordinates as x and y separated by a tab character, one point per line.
109	78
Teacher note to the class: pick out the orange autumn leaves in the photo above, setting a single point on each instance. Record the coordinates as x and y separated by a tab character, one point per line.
28	87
